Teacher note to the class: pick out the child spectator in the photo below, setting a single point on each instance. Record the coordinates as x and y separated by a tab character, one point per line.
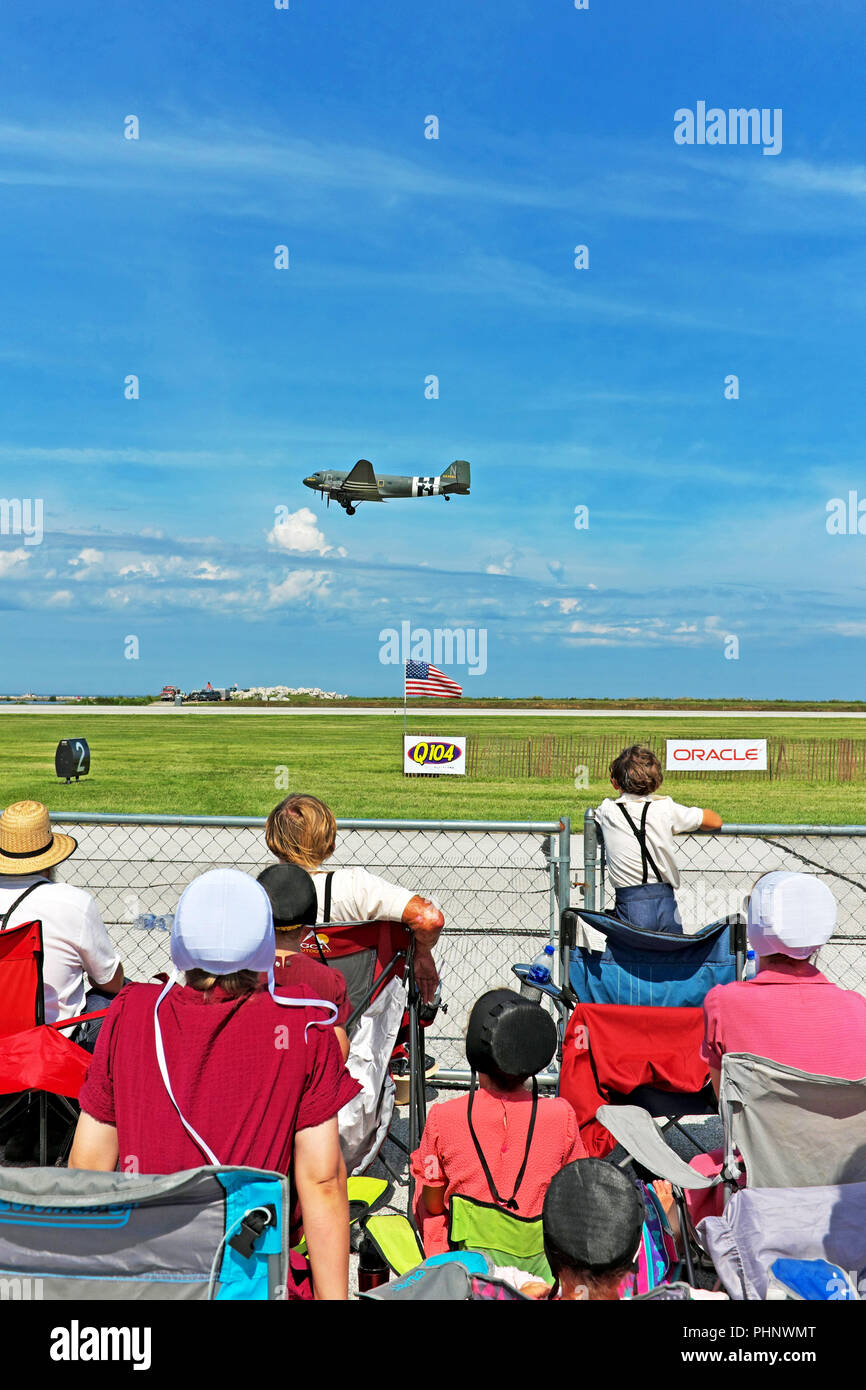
638	830
592	1221
302	830
221	1071
594	1228
501	1145
292	895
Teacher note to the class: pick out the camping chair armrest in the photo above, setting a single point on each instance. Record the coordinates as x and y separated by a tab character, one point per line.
639	1135
79	1018
563	997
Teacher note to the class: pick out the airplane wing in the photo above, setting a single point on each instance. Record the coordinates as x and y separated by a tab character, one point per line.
360	485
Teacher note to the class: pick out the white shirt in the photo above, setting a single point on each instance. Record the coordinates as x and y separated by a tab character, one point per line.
359	896
75	942
665	819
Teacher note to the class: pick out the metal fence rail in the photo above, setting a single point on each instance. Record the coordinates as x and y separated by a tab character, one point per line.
501	886
718	869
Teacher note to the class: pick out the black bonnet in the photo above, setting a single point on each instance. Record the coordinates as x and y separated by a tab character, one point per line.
593	1214
509	1035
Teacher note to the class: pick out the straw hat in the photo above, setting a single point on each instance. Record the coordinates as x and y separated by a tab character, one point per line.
27	843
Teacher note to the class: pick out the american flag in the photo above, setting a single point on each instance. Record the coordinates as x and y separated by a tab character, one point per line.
422	679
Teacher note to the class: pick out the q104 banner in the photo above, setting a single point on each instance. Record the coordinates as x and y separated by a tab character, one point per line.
434	756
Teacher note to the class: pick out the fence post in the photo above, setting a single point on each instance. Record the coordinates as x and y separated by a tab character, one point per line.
562	898
590	858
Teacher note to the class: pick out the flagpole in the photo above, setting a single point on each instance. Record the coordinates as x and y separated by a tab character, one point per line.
404	712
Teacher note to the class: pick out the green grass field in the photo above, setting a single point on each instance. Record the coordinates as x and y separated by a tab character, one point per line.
226	764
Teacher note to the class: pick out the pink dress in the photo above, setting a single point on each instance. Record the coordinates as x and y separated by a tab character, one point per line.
789	1013
447	1158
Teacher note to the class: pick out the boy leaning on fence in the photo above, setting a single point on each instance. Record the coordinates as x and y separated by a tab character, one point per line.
638	829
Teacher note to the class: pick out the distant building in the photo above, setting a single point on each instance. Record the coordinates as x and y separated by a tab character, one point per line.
285	692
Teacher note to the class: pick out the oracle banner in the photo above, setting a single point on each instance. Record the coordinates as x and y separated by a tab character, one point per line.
716	754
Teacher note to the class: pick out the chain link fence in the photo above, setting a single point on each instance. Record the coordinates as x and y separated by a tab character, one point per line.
501	886
717	872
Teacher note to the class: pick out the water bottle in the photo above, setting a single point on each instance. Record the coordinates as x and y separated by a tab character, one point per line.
751	969
540	970
373	1270
149	922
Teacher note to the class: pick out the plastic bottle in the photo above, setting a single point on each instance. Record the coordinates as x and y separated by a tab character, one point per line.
751	968
149	922
539	972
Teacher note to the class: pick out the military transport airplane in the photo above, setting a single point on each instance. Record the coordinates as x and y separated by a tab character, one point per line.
363	484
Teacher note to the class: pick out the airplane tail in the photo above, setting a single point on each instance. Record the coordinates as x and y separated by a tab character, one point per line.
456	477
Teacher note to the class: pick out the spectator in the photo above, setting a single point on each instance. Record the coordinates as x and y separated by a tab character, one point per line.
76	946
501	1144
638	830
592	1221
293	901
233	1078
788	1012
302	830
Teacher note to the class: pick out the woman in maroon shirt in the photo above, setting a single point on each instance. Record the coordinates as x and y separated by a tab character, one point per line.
246	1078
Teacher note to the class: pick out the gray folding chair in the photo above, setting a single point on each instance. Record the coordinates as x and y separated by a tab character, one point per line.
201	1234
787	1128
762	1225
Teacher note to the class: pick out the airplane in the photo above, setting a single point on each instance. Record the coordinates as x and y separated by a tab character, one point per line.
363	484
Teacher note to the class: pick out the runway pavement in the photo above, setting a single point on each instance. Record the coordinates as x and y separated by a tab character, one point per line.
451	712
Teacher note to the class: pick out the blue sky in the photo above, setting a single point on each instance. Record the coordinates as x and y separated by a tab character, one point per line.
410	257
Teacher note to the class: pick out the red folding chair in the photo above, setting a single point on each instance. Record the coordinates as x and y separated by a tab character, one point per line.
630	1055
370	955
36	1058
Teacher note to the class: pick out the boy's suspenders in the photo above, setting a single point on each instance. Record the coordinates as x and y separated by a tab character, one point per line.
326	915
29	889
640	835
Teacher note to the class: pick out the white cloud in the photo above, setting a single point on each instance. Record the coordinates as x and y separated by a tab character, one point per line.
506	567
86	561
299	532
299	586
565	605
61	598
640	633
9	559
144	568
207	570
